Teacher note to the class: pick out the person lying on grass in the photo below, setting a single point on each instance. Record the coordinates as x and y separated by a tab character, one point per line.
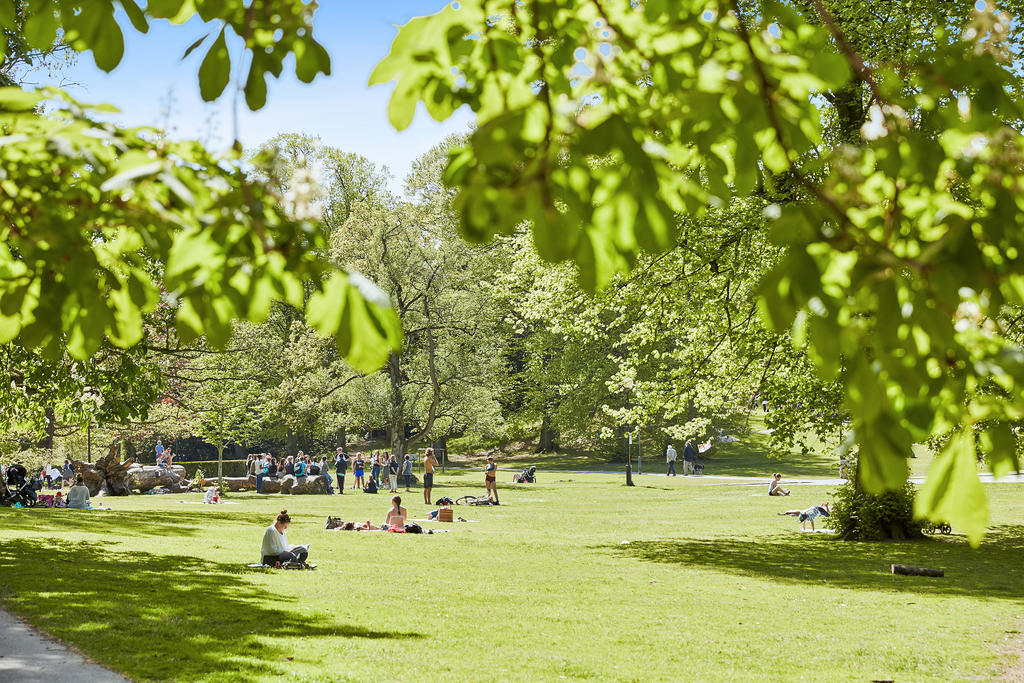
275	550
775	487
212	496
810	514
396	515
335	524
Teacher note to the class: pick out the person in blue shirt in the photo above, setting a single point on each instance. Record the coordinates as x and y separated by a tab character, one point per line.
407	473
300	465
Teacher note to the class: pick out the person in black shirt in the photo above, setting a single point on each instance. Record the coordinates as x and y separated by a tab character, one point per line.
340	467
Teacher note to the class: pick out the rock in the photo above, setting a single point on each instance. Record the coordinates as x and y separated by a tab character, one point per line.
317	484
285	484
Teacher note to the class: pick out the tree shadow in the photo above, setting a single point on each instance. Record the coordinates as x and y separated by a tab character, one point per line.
126	522
993	571
161	616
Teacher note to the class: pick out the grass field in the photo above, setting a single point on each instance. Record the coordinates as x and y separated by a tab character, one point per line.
575	577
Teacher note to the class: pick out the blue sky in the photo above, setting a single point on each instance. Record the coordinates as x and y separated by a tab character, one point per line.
341	109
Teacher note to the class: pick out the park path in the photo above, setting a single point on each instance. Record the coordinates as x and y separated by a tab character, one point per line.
28	656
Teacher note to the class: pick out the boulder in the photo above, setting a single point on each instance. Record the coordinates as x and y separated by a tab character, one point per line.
317	484
285	484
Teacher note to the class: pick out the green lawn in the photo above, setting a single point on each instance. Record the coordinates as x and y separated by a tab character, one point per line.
575	577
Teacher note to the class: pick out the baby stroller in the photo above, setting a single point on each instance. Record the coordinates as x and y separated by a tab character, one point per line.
25	495
527	476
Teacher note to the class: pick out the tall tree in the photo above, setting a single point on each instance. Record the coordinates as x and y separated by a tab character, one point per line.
599	122
440	288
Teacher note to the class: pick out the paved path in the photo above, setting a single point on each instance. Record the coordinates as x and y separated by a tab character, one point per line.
729	480
27	656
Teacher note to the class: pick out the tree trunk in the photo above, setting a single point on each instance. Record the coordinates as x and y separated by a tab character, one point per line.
291	443
46	443
220	465
396	423
548	441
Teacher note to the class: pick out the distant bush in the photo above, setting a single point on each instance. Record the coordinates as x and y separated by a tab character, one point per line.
858	516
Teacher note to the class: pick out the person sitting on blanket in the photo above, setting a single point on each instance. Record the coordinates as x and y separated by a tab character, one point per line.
212	495
396	515
275	550
775	487
78	496
809	515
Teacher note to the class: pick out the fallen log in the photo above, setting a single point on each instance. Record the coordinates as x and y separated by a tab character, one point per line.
108	475
916	571
145	478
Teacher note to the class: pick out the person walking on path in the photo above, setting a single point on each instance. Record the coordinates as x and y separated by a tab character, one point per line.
407	472
429	465
670	458
491	478
340	467
689	457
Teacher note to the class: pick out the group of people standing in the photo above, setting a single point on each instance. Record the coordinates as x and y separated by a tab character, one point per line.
379	464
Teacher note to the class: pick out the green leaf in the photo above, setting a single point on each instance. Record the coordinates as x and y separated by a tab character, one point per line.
215	71
135	15
194	46
953	493
359	316
256	86
41	28
7	16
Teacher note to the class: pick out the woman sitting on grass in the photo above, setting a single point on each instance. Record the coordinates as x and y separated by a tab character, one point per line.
809	515
78	496
775	487
275	550
396	515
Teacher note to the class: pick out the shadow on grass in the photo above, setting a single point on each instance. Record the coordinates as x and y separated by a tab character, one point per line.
160	616
752	457
992	571
126	522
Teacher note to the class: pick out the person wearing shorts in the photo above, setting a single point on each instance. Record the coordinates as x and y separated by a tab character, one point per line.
429	465
357	471
491	479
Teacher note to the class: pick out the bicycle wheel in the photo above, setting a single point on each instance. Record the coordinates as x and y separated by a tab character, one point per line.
465	500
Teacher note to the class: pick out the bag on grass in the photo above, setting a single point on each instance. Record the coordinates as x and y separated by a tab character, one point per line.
413	528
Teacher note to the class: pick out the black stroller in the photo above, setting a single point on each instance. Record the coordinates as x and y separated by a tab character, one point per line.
527	476
24	494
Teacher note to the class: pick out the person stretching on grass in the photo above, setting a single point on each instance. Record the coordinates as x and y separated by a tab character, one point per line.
809	515
212	495
429	463
490	478
396	515
275	549
775	487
